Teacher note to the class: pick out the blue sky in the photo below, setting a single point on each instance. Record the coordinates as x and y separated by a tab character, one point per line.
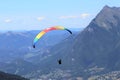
39	14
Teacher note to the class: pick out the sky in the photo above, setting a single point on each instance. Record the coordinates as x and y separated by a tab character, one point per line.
40	14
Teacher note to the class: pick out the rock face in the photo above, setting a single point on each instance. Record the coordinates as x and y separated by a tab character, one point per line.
99	43
6	76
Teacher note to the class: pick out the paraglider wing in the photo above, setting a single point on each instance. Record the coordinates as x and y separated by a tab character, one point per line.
39	35
69	31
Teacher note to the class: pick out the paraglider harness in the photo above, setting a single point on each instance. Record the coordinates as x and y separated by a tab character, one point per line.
60	61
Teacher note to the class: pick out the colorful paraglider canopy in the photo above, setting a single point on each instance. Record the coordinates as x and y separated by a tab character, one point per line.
39	35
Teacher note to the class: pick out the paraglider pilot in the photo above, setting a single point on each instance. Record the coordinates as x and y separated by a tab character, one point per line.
60	61
33	46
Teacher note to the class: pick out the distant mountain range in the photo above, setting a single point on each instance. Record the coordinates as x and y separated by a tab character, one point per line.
15	45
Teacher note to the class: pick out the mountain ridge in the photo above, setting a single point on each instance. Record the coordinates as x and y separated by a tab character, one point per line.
6	76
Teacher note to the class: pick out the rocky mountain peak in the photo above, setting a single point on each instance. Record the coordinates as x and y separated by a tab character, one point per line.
108	19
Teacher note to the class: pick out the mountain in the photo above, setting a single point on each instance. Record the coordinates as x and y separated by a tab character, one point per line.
101	40
95	51
6	76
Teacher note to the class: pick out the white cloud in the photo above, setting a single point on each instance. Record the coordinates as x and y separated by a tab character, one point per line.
82	16
40	18
8	20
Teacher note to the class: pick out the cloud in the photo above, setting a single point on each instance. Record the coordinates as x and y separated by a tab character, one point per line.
8	20
40	18
82	16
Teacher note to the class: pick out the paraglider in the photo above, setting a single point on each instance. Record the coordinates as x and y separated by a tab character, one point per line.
39	35
60	61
